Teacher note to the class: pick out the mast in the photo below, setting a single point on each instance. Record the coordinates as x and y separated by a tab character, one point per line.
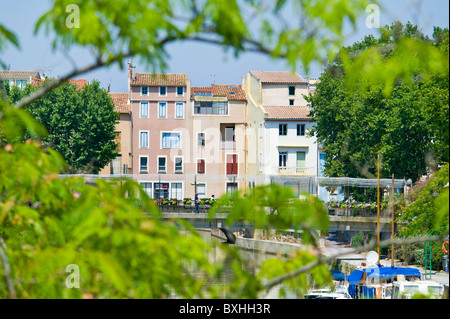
392	223
378	210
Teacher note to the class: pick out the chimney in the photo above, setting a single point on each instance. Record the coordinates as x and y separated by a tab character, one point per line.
109	87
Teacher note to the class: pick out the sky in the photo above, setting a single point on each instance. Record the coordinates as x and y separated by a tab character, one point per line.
203	63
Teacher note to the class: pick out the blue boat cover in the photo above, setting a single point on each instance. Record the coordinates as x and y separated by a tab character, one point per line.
378	272
338	275
387	272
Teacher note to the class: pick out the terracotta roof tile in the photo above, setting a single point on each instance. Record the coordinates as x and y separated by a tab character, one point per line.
120	101
231	91
80	83
287	113
278	77
158	79
18	75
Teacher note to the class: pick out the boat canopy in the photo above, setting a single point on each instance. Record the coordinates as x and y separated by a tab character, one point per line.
379	272
338	275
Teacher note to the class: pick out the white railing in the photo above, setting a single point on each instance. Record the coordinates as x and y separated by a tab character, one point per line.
228	145
289	170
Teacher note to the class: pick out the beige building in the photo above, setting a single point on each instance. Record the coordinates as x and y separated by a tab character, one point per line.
122	163
219	139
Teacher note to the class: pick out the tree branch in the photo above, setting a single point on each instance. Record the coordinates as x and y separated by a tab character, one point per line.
6	270
322	259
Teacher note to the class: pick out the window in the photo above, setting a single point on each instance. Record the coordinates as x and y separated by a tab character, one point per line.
231	188
176	191
180	90
161	164
201	139
178	165
162	90
232	165
291	90
282	159
229	133
211	108
179	110
300	161
200	166
143	139
144	90
282	129
291	102
300	129
143	164
144	110
171	140
161	190
201	190
147	188
162	110
260	163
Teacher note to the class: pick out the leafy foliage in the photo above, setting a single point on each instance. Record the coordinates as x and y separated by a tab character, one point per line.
405	127
427	206
80	123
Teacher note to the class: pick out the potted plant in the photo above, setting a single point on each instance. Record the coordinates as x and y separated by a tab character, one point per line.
187	201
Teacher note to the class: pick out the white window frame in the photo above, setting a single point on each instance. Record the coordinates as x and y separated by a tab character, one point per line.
159	90
196	165
148	139
143	171
147	182
165	166
170	148
182	189
148	89
177	90
198	139
206	190
140	110
175	165
226	163
159	109
176	110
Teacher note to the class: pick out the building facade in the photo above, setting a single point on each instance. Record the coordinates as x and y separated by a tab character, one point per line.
281	122
122	164
161	129
219	139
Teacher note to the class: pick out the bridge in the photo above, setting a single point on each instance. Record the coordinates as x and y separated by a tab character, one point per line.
337	223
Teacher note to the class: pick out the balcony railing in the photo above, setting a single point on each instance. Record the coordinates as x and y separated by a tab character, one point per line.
289	170
228	145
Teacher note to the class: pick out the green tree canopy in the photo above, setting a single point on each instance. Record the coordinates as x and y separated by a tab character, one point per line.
408	127
80	123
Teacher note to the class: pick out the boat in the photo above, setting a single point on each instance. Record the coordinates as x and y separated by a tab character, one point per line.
407	289
377	282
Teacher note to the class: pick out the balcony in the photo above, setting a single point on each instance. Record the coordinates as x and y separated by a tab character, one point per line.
228	145
295	171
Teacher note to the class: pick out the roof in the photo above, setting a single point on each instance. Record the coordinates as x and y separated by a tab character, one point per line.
80	83
231	91
120	101
18	75
287	113
285	77
159	79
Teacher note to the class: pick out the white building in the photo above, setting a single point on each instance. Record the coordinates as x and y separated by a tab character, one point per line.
287	153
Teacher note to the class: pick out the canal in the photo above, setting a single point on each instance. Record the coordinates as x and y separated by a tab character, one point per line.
252	261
